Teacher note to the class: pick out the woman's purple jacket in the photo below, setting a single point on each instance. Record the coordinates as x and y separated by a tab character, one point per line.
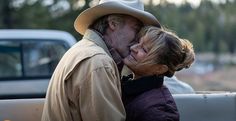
147	99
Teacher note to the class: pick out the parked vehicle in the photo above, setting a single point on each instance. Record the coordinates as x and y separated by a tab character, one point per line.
27	61
28	58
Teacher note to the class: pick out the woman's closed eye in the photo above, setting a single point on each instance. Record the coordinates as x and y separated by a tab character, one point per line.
145	49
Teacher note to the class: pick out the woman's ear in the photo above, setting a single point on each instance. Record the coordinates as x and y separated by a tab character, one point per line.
161	69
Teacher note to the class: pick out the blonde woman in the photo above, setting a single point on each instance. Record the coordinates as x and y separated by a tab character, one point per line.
159	53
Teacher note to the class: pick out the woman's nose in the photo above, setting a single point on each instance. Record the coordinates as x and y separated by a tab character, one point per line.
134	47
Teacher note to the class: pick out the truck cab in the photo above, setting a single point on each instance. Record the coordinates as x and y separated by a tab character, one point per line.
28	59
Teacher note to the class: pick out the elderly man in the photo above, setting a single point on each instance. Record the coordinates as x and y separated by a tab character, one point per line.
85	85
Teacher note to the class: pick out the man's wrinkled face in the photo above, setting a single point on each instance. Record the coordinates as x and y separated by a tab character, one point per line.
126	34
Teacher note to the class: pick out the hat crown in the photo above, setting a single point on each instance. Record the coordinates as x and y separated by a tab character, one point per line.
136	4
133	8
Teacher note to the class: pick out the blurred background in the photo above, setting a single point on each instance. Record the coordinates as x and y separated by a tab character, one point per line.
209	24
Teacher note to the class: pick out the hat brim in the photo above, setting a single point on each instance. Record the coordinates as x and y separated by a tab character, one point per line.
88	16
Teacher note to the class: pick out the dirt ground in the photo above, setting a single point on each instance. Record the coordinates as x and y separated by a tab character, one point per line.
221	79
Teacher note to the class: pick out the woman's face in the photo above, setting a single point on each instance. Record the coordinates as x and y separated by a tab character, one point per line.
138	52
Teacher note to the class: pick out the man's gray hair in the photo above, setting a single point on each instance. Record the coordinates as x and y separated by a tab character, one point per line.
101	24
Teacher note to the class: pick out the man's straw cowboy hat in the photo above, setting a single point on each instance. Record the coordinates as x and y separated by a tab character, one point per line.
130	7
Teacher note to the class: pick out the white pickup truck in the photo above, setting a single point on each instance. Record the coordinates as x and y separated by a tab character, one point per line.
28	58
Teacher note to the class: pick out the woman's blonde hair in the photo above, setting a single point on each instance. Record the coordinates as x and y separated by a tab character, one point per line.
167	48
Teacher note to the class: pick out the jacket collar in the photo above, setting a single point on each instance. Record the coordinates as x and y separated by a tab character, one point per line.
93	36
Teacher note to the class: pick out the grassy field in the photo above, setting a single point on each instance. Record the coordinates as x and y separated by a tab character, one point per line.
220	79
211	72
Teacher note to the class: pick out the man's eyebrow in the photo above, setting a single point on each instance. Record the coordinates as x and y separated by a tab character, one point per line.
139	25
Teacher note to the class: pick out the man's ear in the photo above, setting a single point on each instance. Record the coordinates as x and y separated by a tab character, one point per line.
160	69
112	24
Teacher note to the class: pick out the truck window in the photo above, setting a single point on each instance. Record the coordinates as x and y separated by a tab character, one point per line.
10	61
29	58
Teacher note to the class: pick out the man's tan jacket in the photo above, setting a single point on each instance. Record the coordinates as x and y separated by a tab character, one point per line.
85	85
